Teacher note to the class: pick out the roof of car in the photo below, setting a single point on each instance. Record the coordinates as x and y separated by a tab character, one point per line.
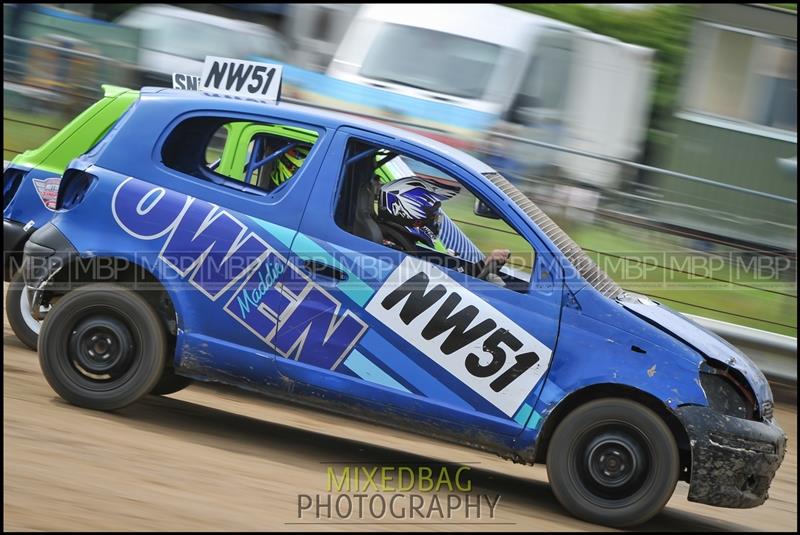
302	113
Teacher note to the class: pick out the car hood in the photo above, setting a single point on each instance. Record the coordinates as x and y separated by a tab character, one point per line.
707	343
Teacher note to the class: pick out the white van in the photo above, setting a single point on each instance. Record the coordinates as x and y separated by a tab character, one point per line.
175	39
541	78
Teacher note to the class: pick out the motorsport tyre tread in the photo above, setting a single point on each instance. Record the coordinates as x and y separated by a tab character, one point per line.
15	313
147	336
564	456
170	383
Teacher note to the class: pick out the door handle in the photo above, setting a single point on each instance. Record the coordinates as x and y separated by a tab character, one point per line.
321	268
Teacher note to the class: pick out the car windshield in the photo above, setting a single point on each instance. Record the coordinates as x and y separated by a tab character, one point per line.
431	60
580	261
194	40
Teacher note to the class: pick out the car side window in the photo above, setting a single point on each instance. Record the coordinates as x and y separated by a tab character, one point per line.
251	156
404	203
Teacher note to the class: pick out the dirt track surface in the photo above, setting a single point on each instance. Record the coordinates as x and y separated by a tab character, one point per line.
212	458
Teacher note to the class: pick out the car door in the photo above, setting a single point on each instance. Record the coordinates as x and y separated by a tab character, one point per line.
407	357
219	245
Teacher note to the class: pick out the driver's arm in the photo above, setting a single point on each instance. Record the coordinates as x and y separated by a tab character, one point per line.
498	257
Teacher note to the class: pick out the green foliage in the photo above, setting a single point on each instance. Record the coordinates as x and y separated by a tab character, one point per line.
664	28
790	7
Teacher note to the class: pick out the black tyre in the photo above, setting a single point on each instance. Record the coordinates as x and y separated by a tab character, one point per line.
614	462
19	315
170	383
103	347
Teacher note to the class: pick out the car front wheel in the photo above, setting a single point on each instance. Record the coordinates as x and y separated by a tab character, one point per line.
614	462
103	347
170	383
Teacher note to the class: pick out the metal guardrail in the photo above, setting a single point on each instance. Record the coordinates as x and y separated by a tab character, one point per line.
568	150
644	167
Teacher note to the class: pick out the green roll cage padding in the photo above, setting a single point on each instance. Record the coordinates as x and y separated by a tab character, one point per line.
235	159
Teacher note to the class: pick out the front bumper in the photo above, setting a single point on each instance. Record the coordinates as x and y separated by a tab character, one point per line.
15	235
733	460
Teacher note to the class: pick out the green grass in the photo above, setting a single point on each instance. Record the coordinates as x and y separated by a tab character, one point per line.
713	284
724	287
24	131
488	234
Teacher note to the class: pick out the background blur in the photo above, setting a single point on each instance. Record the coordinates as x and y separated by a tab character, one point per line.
662	138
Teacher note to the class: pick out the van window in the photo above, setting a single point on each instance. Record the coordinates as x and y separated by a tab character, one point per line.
169	31
460	66
547	74
743	77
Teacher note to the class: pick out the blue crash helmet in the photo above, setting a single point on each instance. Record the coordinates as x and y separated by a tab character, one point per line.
415	204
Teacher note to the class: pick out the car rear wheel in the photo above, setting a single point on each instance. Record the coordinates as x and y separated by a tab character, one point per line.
25	327
614	462
103	347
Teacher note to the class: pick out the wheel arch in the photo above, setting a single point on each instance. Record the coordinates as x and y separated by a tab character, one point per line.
85	270
612	390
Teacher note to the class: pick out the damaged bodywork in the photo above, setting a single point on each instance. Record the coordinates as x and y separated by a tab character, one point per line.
733	459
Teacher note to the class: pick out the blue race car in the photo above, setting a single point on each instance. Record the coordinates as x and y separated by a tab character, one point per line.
340	289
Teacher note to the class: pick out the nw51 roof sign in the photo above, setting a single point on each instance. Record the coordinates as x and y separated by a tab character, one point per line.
234	77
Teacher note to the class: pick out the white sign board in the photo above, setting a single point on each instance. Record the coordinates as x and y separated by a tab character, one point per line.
462	333
241	78
185	81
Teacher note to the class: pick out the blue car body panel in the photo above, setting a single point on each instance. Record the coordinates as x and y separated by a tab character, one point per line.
272	325
705	341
